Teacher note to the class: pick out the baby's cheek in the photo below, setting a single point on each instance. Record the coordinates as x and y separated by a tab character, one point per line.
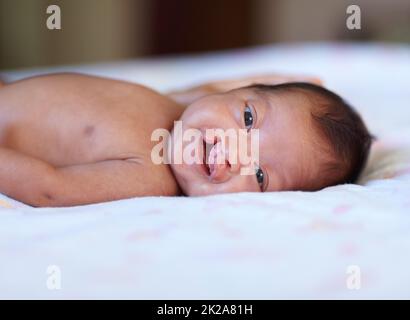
195	186
246	183
239	183
208	115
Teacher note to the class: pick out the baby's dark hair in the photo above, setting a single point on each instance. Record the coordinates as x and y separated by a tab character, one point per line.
340	126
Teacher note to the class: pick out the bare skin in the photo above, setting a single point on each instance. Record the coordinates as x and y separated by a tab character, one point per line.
289	154
70	139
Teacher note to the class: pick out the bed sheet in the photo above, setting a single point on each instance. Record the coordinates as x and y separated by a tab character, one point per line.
347	241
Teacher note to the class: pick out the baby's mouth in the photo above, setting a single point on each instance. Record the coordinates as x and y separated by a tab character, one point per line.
211	155
207	150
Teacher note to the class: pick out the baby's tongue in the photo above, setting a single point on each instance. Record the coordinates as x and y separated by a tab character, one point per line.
216	157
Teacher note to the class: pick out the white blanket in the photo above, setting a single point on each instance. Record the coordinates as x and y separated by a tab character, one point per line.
347	241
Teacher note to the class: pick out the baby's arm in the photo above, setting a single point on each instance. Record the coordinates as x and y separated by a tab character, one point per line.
187	96
39	184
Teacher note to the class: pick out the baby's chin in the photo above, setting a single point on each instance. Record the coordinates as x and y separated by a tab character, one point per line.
195	186
191	185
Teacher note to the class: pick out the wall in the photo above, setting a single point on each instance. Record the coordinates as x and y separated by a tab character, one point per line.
92	30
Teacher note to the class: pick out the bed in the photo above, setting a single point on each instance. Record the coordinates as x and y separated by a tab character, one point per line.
343	242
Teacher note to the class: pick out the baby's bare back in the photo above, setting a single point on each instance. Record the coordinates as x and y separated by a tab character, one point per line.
70	119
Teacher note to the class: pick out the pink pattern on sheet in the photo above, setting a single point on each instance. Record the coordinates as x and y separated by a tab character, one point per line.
144	235
329	226
349	249
6	204
228	231
342	209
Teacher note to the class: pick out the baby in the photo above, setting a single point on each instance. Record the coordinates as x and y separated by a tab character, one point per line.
71	139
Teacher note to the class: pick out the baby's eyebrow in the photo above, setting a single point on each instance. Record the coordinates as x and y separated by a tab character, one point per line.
268	180
275	171
262	106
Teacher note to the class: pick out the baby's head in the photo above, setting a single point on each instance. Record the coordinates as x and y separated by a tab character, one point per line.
309	138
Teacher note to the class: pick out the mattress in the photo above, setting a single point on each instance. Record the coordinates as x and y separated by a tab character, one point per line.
348	241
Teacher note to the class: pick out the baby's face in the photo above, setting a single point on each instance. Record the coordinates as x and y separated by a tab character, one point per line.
287	141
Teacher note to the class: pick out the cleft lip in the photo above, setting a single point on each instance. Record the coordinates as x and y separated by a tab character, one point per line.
205	157
207	148
208	144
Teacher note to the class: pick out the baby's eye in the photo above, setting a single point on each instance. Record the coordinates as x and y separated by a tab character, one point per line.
248	118
260	176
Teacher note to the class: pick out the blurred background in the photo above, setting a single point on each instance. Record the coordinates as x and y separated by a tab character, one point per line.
101	30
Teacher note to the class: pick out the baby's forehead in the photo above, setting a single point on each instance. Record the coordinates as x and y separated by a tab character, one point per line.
250	90
289	101
266	96
267	92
